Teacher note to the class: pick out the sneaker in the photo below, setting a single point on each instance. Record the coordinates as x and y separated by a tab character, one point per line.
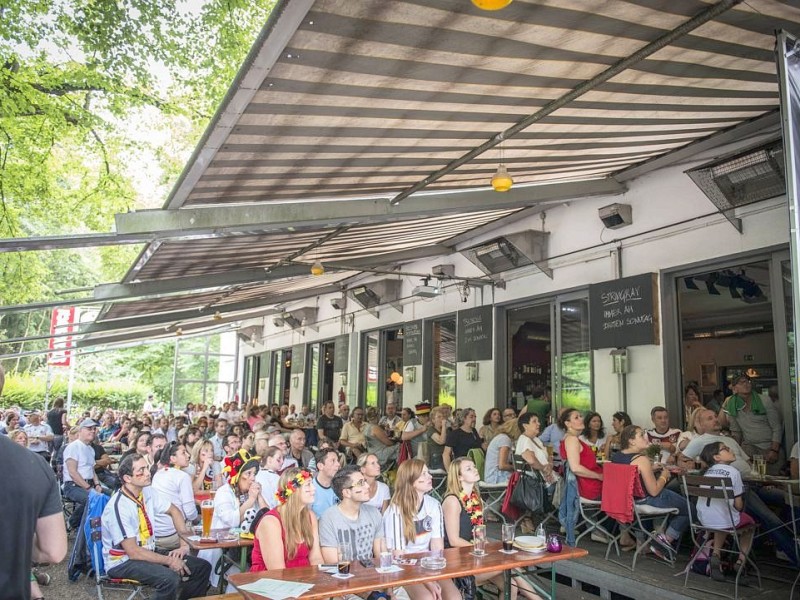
715	564
600	537
661	547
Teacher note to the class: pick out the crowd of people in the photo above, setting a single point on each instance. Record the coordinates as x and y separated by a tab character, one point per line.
307	485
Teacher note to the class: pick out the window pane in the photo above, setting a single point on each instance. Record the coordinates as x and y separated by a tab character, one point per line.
444	362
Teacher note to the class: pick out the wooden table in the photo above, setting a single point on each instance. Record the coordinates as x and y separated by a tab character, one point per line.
245	544
460	563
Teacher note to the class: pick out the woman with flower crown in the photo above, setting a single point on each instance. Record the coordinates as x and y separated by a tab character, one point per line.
463	510
413	523
288	536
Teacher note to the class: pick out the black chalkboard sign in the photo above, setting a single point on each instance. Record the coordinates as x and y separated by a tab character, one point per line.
298	359
474	334
341	353
624	312
412	343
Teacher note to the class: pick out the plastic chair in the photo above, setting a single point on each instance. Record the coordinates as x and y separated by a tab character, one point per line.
616	475
719	488
477	456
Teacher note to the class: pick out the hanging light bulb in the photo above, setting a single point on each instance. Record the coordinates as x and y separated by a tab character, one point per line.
491	4
317	268
217	316
179	331
501	181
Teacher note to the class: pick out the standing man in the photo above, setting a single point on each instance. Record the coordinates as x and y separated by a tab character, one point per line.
129	542
351	522
39	435
218	439
329	425
327	467
79	474
57	419
34	524
755	423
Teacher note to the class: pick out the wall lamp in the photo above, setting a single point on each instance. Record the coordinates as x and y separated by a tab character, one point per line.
411	374
472	371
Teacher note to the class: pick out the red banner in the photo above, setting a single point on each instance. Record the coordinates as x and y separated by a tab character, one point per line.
62	324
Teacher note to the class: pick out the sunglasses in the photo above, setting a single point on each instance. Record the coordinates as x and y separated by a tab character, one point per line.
359	483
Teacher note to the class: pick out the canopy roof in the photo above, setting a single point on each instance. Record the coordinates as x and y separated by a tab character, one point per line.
350	109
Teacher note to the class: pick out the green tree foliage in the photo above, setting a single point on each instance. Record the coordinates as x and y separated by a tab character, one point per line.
78	79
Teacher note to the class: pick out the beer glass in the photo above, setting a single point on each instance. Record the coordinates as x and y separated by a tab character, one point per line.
207	513
508	536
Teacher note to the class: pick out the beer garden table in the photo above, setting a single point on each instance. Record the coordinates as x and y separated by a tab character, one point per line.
195	545
460	563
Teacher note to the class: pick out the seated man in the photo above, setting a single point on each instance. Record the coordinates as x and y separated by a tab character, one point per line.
102	462
302	456
129	541
351	521
327	467
662	434
353	438
78	474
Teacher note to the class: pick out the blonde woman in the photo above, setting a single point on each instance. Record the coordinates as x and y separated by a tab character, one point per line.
463	510
379	494
499	463
288	536
413	523
205	472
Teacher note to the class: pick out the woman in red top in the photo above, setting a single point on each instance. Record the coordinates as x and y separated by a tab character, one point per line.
292	522
582	460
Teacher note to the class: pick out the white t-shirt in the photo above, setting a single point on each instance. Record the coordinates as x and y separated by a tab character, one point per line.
428	522
381	494
84	456
176	486
539	451
37	431
269	485
713	512
121	521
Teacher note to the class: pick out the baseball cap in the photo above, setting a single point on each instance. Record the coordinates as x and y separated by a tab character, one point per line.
86	423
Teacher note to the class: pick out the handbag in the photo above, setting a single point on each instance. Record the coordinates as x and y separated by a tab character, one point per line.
530	493
405	452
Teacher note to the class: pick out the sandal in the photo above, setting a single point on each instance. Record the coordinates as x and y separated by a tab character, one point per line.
715	564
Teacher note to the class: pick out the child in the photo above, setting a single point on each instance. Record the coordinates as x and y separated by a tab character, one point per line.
715	513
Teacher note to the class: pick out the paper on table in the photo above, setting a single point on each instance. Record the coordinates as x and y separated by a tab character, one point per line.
276	589
390	569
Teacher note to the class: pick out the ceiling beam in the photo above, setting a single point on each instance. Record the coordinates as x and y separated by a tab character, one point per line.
272	216
66	242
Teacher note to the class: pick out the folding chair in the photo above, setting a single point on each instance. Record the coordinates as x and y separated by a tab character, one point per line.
590	512
719	488
627	512
101	578
523	468
439	483
493	496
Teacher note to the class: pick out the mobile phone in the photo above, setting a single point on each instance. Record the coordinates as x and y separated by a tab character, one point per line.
367	563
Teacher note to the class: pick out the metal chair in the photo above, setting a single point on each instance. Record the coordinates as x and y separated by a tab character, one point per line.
719	488
101	578
628	475
524	469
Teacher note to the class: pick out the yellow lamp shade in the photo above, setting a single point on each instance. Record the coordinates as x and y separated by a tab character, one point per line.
502	182
491	4
395	377
317	268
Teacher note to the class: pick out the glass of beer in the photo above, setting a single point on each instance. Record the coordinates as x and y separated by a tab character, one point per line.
508	537
207	513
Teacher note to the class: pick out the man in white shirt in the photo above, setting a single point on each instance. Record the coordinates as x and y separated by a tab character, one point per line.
39	435
79	474
129	539
218	439
662	434
708	427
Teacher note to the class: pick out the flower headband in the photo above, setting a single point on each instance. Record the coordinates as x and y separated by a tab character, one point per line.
294	484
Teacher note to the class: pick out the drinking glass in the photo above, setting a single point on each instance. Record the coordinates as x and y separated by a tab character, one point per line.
207	513
345	557
508	536
479	539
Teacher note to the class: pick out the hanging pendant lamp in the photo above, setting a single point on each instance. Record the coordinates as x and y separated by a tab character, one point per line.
491	4
502	181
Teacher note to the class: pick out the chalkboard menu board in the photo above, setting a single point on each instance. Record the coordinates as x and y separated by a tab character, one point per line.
624	312
474	334
341	352
298	359
412	343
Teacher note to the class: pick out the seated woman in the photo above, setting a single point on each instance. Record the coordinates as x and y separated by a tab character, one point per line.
175	484
463	510
595	433
463	438
531	449
500	454
634	443
619	421
491	424
206	473
235	504
269	474
416	431
437	436
379	443
141	445
413	523
288	536
582	461
713	512
379	494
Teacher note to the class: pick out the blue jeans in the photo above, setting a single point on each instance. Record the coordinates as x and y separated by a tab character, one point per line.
678	523
164	580
79	496
755	506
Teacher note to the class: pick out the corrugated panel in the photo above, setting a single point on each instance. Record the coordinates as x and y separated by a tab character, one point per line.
370	96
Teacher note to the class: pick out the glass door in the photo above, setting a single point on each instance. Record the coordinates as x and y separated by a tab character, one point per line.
573	373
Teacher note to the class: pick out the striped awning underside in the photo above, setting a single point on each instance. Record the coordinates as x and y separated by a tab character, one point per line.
370	96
